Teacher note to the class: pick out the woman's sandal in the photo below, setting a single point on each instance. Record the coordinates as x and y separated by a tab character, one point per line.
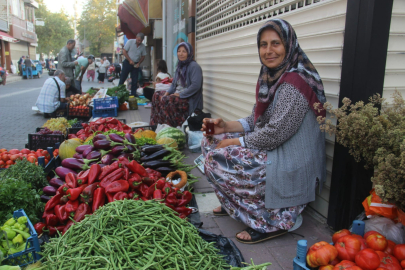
257	237
221	213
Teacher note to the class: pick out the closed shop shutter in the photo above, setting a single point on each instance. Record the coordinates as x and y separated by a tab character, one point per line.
17	50
227	52
32	52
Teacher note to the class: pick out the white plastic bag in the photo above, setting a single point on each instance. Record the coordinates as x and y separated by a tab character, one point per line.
162	87
162	126
386	227
13	69
194	140
139	91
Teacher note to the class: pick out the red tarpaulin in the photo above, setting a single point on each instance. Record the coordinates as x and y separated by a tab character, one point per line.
134	17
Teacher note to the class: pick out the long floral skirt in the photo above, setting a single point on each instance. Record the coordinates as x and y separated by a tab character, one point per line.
238	176
170	110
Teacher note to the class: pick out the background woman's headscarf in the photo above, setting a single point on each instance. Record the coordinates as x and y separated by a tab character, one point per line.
181	70
295	61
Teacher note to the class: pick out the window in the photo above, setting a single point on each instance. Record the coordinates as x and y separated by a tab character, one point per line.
16	8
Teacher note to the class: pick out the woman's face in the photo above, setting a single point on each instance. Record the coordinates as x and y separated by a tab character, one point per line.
182	54
272	51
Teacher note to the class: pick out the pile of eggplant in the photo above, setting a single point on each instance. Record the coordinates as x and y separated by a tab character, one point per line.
152	156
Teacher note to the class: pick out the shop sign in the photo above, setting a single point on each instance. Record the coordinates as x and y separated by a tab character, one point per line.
30	27
25	34
7	53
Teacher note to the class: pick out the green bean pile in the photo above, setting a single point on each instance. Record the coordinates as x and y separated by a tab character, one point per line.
132	234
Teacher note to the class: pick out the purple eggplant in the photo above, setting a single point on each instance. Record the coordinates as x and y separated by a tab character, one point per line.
56	182
87	151
99	137
118	150
116	138
49	190
102	144
81	148
73	163
94	155
129	137
92	163
107	159
130	149
45	198
78	156
63	171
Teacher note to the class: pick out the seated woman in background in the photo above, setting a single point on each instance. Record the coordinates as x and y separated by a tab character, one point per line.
265	168
161	75
172	107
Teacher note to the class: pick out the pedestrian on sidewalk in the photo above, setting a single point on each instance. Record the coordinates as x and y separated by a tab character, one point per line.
80	69
91	71
52	96
265	168
28	66
65	61
102	70
134	52
20	62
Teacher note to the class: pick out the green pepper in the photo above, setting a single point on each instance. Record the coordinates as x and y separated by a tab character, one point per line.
5	227
10	233
15	250
4	245
22	220
18	240
26	230
10	222
24	234
17	226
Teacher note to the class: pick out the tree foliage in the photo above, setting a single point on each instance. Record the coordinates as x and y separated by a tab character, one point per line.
57	30
97	23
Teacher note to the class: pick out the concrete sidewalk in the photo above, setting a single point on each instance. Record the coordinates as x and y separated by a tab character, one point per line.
279	251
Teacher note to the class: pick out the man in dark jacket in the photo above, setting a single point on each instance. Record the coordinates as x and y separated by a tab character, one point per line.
65	61
20	62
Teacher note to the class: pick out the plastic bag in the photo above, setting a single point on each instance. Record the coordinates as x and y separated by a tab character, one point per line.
373	205
162	126
139	91
162	87
13	69
386	227
194	141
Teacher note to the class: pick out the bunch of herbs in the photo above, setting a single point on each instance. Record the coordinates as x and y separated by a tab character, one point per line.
27	172
120	92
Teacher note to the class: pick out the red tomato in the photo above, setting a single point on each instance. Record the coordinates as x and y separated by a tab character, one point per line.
14	151
321	253
377	242
343	265
367	259
347	247
403	264
10	162
367	234
7	166
339	234
326	267
32	159
32	151
25	151
14	157
5	157
354	267
399	252
46	161
335	262
388	261
390	247
362	240
2	150
2	163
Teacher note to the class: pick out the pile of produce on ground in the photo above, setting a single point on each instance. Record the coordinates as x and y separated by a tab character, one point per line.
120	92
57	124
13	235
20	188
100	125
10	157
353	252
132	234
79	100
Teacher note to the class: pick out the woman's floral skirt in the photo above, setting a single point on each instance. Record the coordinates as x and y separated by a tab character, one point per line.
170	110
238	176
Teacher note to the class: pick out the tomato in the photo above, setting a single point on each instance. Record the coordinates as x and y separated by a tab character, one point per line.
343	265
339	234
2	150
377	242
354	267
14	151
362	241
326	267
390	247
388	261
367	259
399	252
32	151
2	163
321	253
46	161
403	264
25	151
367	234
32	159
10	162
14	157
5	157
335	262
8	166
347	247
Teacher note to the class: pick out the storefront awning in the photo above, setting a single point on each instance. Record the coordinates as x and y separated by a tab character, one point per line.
34	44
134	16
7	37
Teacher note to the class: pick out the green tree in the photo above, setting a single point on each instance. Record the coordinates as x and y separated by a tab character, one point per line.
57	30
97	24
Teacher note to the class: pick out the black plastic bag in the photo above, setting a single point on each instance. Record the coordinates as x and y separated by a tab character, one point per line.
195	122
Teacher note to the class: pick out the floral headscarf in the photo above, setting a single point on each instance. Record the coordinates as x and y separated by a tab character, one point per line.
181	71
295	61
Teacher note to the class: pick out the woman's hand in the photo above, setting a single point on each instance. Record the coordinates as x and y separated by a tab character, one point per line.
166	94
227	142
219	125
176	94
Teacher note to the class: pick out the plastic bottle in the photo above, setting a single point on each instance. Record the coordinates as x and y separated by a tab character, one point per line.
133	103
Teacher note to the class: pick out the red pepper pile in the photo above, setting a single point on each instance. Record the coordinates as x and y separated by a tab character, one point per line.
83	194
102	125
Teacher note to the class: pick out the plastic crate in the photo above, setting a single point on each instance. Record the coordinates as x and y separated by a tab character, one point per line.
30	254
105	103
112	112
75	130
79	113
300	262
38	141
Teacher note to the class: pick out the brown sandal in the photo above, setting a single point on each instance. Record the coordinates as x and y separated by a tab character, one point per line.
257	237
220	213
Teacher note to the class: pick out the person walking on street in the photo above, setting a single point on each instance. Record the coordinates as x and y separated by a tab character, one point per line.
28	67
65	61
83	63
91	71
134	52
20	62
102	70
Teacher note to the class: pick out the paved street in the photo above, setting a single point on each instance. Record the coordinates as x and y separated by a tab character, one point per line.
16	116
